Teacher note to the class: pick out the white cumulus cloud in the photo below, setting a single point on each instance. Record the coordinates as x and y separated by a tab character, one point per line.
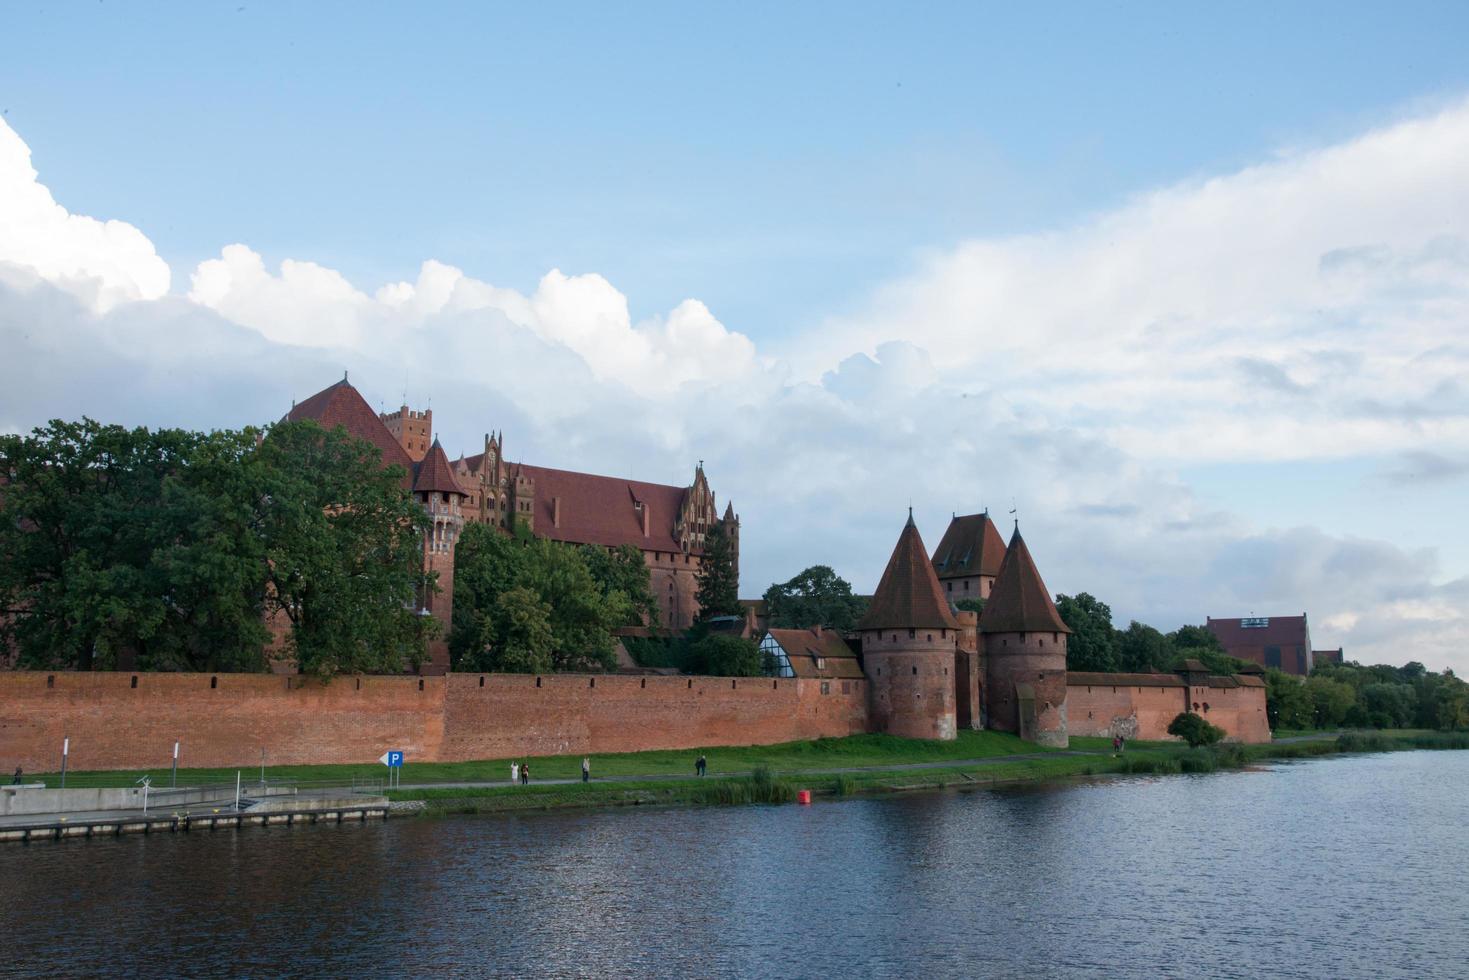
105	262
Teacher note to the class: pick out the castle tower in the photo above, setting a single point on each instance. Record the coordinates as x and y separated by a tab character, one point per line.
522	500
908	644
731	522
440	494
968	557
413	430
1024	652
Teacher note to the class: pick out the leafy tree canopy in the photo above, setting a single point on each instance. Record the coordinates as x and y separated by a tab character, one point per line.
1194	730
622	569
721	655
164	550
719	577
1093	643
816	597
531	604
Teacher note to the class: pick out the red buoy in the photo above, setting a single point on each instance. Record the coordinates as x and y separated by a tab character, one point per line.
803	796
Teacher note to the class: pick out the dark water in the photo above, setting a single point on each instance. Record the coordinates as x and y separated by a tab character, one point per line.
1354	867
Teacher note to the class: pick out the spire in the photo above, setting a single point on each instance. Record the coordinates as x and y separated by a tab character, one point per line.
908	597
435	475
729	513
1019	601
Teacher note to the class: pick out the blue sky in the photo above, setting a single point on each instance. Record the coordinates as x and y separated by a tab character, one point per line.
773	161
1188	282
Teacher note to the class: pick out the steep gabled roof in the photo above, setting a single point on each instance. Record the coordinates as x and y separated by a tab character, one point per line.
971	546
803	647
908	596
435	475
1019	602
604	509
341	404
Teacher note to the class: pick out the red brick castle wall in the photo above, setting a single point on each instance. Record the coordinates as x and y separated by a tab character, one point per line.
224	720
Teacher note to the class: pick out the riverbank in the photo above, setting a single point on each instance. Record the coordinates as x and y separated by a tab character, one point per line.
856	765
764	784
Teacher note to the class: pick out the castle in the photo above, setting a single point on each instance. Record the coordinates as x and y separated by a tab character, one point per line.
667	524
933	668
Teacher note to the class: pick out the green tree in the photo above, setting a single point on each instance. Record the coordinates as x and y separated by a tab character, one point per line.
1287	703
817	596
344	552
1143	649
1388	705
1093	641
125	546
576	608
1194	730
1199	643
487	564
721	655
1331	700
582	617
526	638
719	581
975	606
622	569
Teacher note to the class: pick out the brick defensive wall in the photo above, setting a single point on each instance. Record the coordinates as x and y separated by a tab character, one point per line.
130	721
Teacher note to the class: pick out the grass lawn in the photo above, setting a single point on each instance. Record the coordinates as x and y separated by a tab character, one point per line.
826	753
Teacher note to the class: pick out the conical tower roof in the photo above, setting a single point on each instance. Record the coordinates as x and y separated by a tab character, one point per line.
1019	601
435	475
908	597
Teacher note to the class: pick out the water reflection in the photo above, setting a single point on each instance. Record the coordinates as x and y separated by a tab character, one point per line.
1336	868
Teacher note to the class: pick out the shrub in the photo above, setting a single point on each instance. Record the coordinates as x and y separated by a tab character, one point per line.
1194	730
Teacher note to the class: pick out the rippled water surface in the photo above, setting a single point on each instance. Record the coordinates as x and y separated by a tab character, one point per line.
1350	867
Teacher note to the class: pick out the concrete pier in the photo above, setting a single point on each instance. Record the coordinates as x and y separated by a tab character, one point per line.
56	827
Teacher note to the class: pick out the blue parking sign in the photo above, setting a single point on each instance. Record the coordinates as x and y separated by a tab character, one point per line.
392	759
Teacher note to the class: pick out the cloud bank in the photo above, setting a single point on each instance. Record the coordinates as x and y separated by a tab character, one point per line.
1312	307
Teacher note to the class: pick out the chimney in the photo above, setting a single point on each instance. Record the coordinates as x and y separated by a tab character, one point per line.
555	511
644	508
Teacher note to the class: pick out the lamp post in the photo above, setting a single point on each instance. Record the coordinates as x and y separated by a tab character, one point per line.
173	781
65	749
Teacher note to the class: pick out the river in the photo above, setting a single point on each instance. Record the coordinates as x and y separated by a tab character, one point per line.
1345	867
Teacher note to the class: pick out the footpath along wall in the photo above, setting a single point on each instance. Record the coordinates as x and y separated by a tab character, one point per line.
130	721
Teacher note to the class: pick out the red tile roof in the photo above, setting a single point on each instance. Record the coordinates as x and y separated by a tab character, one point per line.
435	475
804	646
603	509
908	596
1087	678
1019	601
971	546
342	405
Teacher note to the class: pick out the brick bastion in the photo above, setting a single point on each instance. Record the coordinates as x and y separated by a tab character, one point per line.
118	720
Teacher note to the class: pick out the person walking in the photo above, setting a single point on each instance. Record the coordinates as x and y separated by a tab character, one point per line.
1121	743
514	772
700	765
15	781
525	774
586	769
1116	744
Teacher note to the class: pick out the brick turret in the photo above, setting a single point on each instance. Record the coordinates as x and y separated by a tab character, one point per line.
1024	652
909	639
442	497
